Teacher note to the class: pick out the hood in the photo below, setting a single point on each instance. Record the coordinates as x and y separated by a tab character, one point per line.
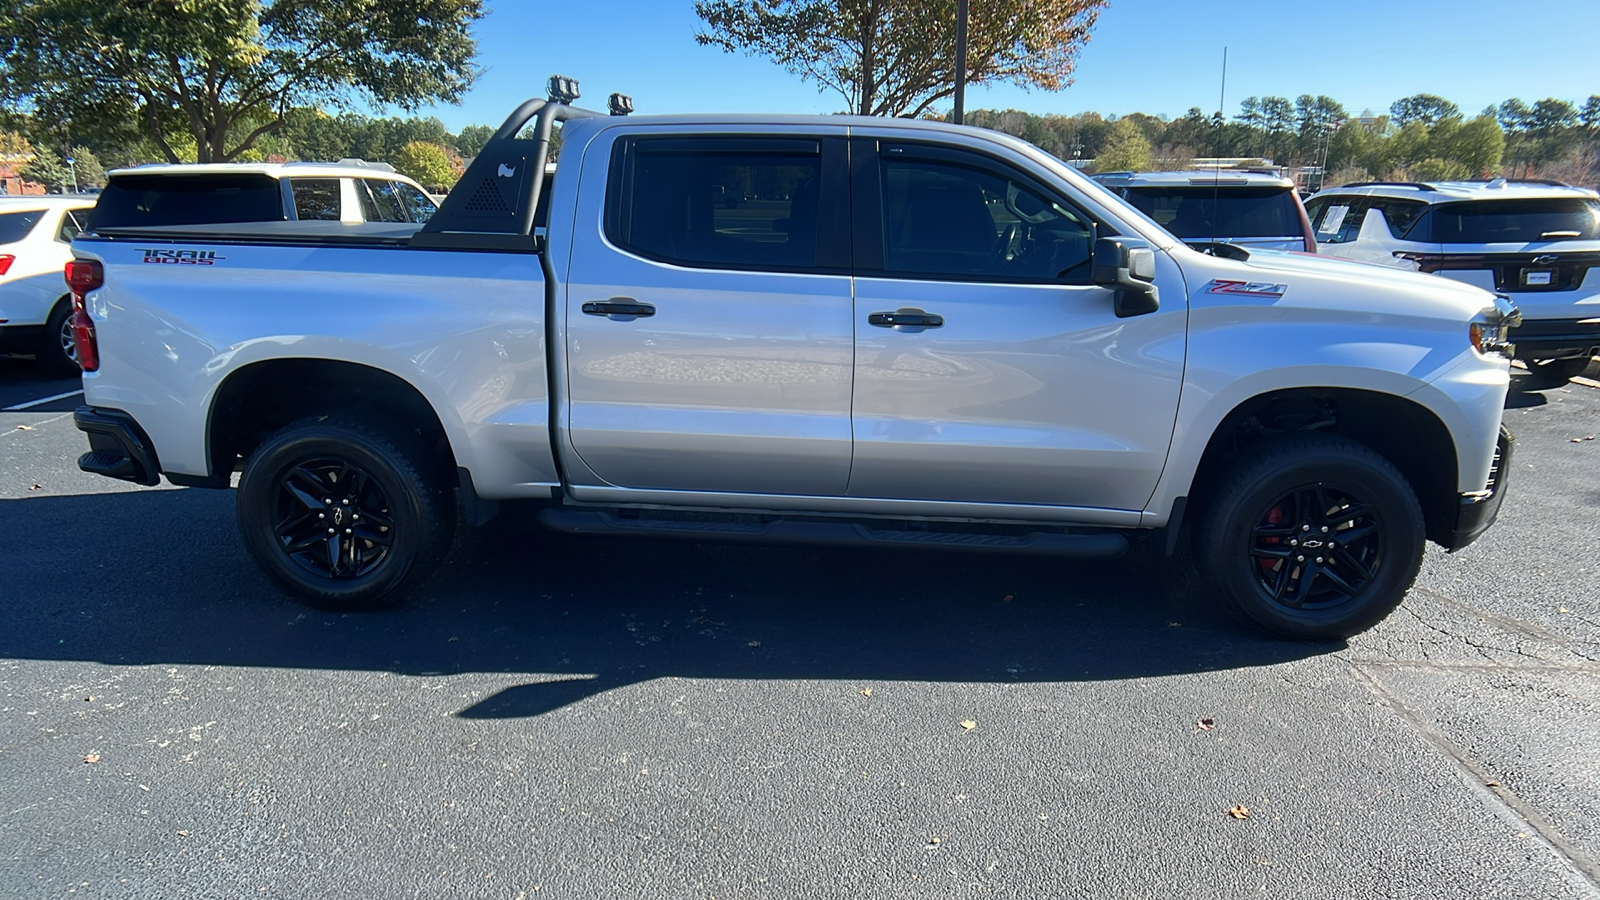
1331	281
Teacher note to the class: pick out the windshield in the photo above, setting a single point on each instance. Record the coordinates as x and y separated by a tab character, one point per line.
15	226
138	200
1197	212
1516	221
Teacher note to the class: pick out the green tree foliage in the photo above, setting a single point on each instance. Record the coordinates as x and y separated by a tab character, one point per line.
1435	169
1425	108
428	163
895	57
48	169
87	164
225	73
14	146
1126	149
472	138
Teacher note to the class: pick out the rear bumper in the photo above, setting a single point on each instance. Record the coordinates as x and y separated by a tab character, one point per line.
118	447
1478	510
1556	338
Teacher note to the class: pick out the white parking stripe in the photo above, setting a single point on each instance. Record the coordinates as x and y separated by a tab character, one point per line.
41	401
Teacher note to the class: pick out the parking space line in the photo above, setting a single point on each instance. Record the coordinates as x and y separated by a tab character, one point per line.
42	401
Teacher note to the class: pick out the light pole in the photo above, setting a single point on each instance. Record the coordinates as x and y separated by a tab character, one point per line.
961	60
74	170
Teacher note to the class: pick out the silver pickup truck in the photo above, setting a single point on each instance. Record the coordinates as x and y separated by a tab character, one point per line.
902	334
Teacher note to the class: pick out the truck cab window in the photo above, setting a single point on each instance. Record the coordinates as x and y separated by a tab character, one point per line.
721	202
947	220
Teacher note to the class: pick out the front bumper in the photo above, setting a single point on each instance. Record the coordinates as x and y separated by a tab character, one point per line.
118	447
1479	509
1556	338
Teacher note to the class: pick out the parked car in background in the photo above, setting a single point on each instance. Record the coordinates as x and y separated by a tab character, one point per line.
35	245
1249	209
223	193
1537	242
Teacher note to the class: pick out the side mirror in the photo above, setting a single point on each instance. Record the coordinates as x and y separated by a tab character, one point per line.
1127	266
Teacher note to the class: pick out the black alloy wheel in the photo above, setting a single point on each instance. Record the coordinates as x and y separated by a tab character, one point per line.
1310	536
1316	547
333	519
58	349
346	514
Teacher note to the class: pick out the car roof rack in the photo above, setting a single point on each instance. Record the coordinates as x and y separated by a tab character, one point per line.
494	204
1407	184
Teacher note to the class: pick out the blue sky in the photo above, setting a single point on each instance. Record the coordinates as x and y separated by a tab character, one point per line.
1153	56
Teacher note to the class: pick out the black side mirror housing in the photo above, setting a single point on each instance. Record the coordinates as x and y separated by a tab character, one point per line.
1128	266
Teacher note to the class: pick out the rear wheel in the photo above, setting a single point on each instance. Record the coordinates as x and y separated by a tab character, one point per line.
345	514
1311	536
1549	373
58	352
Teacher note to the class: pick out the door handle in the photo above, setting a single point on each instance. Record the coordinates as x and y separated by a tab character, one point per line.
915	318
619	306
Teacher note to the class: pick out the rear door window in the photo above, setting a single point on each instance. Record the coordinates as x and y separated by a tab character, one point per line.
1336	220
385	201
1516	221
14	226
142	200
316	198
720	202
1197	213
1399	214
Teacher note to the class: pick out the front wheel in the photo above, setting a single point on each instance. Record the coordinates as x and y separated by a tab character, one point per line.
1311	536
345	514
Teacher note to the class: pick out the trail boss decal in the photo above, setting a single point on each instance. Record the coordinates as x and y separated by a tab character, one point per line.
181	257
1247	288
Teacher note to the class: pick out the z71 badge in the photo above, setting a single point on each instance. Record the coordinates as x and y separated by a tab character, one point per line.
1247	288
182	257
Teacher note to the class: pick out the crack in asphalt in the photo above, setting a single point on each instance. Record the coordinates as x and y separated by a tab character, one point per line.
1484	783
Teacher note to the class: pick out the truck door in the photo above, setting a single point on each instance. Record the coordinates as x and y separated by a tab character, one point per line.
988	369
708	315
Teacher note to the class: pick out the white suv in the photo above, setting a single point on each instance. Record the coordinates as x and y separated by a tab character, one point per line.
1537	242
224	193
1249	209
35	245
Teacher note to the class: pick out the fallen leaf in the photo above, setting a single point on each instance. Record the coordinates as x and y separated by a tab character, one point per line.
89	699
24	427
36	487
865	692
1174	624
1239	811
753	644
969	725
1006	599
1564	609
1491	784
183	834
933	842
92	758
1205	724
452	639
143	788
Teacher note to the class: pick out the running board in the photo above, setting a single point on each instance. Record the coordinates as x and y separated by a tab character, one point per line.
1100	545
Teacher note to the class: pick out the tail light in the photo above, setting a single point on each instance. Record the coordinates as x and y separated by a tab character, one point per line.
83	276
6	260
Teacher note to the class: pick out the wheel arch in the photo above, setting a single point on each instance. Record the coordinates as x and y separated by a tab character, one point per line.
1407	433
260	397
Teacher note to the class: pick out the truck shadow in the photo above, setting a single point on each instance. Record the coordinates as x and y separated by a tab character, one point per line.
159	577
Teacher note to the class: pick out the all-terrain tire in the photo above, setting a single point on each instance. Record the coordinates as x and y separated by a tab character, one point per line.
1553	373
1310	536
345	514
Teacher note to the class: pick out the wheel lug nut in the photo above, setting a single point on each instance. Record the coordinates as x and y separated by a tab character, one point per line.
1332	544
1319	559
1299	559
347	503
347	531
326	502
1293	542
1324	529
322	515
333	531
1305	527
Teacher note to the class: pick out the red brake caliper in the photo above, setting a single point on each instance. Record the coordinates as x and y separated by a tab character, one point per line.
1274	517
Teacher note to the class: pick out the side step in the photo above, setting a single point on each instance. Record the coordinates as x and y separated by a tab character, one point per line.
1101	545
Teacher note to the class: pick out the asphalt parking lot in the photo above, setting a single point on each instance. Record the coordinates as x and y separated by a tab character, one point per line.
589	718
